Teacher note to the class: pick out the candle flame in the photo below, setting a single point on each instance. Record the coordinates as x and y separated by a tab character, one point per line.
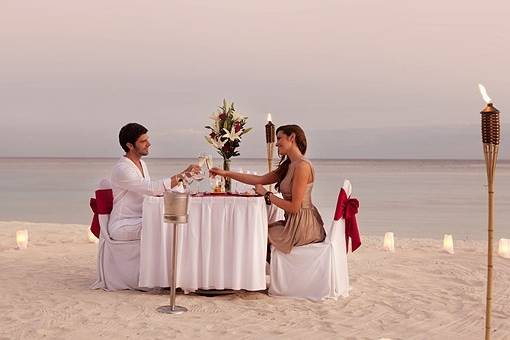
269	117
485	96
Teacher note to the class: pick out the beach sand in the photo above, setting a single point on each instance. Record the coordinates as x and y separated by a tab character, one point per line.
418	292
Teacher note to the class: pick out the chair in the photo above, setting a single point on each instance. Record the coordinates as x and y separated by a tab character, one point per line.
118	262
314	271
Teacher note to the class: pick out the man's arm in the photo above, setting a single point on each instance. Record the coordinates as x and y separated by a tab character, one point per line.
127	178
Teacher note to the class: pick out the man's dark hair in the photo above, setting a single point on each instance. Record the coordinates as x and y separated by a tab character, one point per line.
130	133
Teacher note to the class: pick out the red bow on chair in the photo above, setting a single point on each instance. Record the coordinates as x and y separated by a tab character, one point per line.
102	204
347	208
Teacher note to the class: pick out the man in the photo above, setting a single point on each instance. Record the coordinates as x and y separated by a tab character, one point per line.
119	254
131	181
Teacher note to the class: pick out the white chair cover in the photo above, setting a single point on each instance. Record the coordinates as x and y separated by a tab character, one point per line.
118	262
315	271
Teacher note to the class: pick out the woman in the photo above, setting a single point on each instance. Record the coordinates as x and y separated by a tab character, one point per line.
294	179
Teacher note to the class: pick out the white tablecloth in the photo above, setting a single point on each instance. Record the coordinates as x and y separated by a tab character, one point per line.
223	246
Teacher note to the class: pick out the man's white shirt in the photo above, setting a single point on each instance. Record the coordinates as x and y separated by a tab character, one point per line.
129	187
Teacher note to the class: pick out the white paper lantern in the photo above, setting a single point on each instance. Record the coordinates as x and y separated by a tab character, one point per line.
22	239
389	242
504	248
92	238
448	243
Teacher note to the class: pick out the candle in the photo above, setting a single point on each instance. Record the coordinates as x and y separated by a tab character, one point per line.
448	243
270	131
92	238
22	239
504	248
389	242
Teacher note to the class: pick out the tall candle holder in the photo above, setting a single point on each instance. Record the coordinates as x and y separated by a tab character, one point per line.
270	138
490	138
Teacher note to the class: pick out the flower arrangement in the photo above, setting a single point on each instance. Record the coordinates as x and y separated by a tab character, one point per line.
226	131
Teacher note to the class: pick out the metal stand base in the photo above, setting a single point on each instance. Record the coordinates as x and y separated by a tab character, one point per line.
172	310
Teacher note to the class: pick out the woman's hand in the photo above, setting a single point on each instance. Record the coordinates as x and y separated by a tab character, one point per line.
260	190
217	172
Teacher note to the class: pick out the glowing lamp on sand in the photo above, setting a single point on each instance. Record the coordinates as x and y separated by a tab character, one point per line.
448	243
22	239
92	238
504	248
389	242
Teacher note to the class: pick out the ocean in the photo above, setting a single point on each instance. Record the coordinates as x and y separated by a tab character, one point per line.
412	198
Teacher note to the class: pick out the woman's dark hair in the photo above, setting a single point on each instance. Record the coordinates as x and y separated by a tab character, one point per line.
129	133
300	140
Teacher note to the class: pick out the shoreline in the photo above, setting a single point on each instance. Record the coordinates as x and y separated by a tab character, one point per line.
369	237
480	160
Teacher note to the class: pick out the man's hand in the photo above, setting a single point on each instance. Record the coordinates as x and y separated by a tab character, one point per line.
191	170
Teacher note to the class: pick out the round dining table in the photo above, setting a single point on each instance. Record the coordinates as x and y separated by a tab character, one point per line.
223	245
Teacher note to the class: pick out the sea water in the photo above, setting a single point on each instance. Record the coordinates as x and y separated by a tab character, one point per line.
412	198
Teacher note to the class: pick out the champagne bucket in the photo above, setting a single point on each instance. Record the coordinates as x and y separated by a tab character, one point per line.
176	207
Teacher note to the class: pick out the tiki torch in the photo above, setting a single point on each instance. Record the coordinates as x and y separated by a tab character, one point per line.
270	135
490	139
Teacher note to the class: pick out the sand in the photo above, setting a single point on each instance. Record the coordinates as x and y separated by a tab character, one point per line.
418	292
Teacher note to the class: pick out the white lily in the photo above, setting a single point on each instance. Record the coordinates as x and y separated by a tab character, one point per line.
216	127
215	116
236	117
232	134
218	144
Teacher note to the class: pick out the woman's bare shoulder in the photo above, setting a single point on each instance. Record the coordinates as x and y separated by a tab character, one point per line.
303	166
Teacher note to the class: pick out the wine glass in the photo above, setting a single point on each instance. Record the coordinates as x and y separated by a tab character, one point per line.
210	164
199	176
202	158
187	181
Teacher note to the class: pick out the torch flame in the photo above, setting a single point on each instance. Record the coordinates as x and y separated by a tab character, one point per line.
269	117
485	96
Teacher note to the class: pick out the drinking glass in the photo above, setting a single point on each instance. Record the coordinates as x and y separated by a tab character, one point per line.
199	176
210	164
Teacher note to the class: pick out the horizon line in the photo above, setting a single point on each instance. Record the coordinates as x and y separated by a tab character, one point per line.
259	158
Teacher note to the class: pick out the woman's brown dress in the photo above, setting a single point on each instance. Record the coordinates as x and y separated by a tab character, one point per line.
301	228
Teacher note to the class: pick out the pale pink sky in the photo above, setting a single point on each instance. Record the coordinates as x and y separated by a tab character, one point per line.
67	65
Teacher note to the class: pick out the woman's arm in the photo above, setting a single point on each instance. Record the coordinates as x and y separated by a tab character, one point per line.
302	174
268	178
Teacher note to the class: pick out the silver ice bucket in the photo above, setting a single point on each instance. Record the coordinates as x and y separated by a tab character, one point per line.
176	207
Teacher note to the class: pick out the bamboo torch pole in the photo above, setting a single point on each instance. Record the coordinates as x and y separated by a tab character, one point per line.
490	138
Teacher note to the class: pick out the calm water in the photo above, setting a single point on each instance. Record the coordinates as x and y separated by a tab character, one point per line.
417	198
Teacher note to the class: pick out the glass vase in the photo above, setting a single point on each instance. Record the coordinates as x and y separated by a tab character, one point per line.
228	180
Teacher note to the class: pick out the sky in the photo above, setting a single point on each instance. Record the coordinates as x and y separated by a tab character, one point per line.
365	79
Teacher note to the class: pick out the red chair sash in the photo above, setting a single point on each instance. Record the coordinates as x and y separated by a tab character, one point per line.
347	208
101	205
